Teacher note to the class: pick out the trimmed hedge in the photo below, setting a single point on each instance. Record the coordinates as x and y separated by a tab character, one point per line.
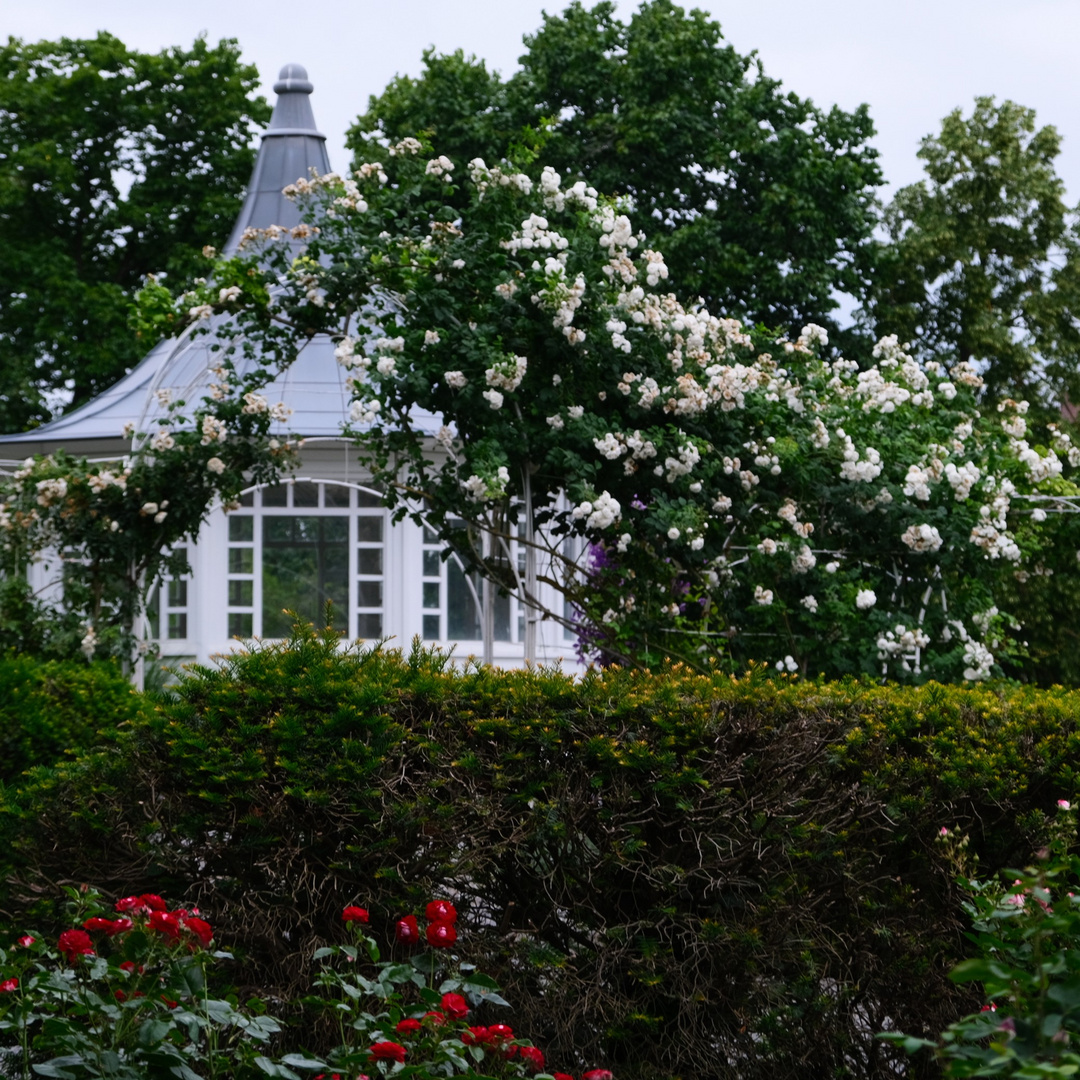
674	875
54	709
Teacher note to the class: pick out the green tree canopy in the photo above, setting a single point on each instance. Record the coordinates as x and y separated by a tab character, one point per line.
982	261
113	164
762	203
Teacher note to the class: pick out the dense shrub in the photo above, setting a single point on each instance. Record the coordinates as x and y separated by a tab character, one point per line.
673	874
55	708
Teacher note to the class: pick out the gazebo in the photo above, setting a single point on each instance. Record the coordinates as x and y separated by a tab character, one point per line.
324	534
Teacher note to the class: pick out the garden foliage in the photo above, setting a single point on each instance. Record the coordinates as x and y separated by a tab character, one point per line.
677	874
56	709
691	486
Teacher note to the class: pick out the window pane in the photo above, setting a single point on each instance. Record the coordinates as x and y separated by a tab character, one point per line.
275	496
278	530
432	562
241	528
178	593
241	593
369	625
429	536
304	568
500	615
247	499
304	493
369	529
431	627
335	495
367	498
240	624
177	624
462	618
369	593
431	594
241	560
369	561
335	529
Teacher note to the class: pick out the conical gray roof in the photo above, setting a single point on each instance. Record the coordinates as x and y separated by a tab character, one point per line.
291	147
314	384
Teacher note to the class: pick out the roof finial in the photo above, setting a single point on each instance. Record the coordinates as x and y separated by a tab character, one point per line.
293	79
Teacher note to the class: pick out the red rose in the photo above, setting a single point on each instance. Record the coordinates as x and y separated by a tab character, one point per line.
8	985
75	943
441	935
436	1018
562	1076
165	923
455	1005
598	1074
120	996
441	911
153	902
474	1036
408	1026
532	1057
500	1031
128	965
130	903
355	914
407	930
97	924
119	926
26	941
387	1051
200	928
169	1001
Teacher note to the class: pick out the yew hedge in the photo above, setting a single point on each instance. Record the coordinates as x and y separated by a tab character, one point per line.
675	874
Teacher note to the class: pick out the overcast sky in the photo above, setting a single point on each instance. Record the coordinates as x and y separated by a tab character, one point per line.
911	62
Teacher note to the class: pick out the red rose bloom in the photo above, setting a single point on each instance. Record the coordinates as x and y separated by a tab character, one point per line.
500	1031
165	923
200	929
407	931
598	1074
456	1006
441	935
532	1057
120	996
75	943
436	1018
387	1051
128	965
355	914
562	1076
153	902
474	1036
169	1001
8	985
130	903
97	924
441	911
26	941
408	1026
119	926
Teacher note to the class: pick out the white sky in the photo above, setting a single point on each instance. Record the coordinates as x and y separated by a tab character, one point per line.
913	62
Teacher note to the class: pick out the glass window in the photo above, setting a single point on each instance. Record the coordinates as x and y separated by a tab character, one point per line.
275	496
241	528
305	566
305	494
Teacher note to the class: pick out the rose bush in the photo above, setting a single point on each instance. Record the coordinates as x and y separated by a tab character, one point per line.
127	997
694	488
1026	928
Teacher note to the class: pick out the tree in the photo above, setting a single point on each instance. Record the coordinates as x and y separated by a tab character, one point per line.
113	164
982	261
110	530
694	490
762	204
